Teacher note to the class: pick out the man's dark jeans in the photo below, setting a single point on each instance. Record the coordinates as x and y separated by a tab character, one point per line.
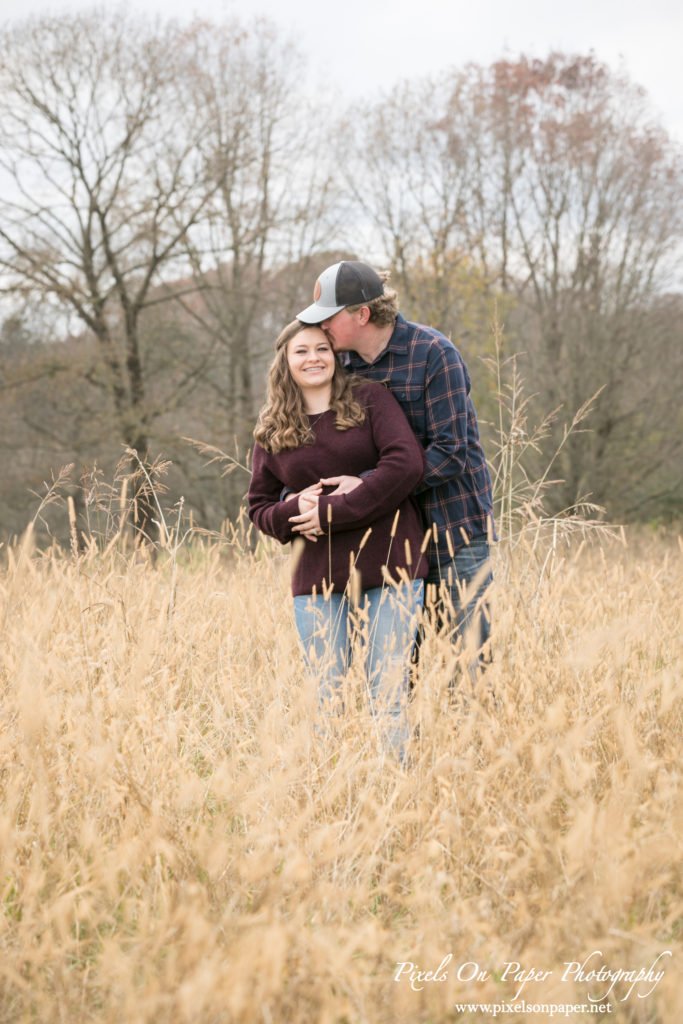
460	603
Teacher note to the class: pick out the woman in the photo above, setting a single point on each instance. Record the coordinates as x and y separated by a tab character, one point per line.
361	557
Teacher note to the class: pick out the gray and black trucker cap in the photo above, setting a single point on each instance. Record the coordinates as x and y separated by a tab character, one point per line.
343	284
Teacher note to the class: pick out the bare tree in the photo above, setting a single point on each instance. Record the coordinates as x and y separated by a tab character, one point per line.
270	206
588	195
165	188
555	180
409	170
101	182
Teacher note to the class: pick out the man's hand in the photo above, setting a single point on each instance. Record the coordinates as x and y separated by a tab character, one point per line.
341	484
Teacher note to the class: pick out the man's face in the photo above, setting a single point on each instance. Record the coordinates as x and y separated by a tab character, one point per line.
342	330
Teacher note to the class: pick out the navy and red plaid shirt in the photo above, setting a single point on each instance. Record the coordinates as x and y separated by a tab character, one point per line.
426	373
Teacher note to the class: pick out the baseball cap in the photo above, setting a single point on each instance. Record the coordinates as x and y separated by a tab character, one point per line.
343	284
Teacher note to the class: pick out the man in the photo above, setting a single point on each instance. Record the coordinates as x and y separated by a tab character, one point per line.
359	314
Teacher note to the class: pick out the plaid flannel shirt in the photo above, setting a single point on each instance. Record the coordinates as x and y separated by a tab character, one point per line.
427	375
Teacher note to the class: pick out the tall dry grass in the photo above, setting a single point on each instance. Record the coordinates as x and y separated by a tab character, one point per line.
178	845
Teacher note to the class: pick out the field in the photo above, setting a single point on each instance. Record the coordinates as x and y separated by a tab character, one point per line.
177	843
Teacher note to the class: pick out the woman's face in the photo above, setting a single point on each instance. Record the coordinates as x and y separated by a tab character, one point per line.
310	359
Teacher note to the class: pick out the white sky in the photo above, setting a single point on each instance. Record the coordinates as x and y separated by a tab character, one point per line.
360	45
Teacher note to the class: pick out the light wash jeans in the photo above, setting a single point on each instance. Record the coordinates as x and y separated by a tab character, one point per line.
387	620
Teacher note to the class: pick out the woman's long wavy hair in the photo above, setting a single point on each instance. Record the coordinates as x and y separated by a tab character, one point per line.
283	422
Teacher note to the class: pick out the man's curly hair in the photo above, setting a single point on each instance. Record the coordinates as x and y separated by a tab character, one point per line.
383	309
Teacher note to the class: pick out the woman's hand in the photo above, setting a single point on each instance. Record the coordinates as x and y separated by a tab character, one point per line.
308	499
307	523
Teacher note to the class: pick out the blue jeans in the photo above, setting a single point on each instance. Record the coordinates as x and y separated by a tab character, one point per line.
461	585
386	620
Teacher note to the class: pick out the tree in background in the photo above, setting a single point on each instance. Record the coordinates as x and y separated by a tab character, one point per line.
409	163
551	184
270	205
152	176
167	198
101	181
587	199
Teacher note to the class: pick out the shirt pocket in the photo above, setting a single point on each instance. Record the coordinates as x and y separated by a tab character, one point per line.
412	400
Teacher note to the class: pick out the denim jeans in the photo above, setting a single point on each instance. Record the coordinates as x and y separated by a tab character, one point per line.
386	620
461	600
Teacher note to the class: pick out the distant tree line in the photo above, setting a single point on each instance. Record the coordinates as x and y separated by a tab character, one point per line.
168	194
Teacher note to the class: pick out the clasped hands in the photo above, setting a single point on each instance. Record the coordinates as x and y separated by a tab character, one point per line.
307	523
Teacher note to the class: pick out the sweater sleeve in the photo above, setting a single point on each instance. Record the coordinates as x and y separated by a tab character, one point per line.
266	510
400	467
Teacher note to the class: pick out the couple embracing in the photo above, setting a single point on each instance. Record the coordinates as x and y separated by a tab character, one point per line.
368	450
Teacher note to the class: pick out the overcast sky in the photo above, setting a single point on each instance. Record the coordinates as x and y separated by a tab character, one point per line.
358	46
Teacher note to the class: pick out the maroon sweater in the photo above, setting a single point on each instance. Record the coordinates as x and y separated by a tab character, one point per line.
385	443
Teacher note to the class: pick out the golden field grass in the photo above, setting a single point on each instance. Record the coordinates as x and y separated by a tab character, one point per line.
178	845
